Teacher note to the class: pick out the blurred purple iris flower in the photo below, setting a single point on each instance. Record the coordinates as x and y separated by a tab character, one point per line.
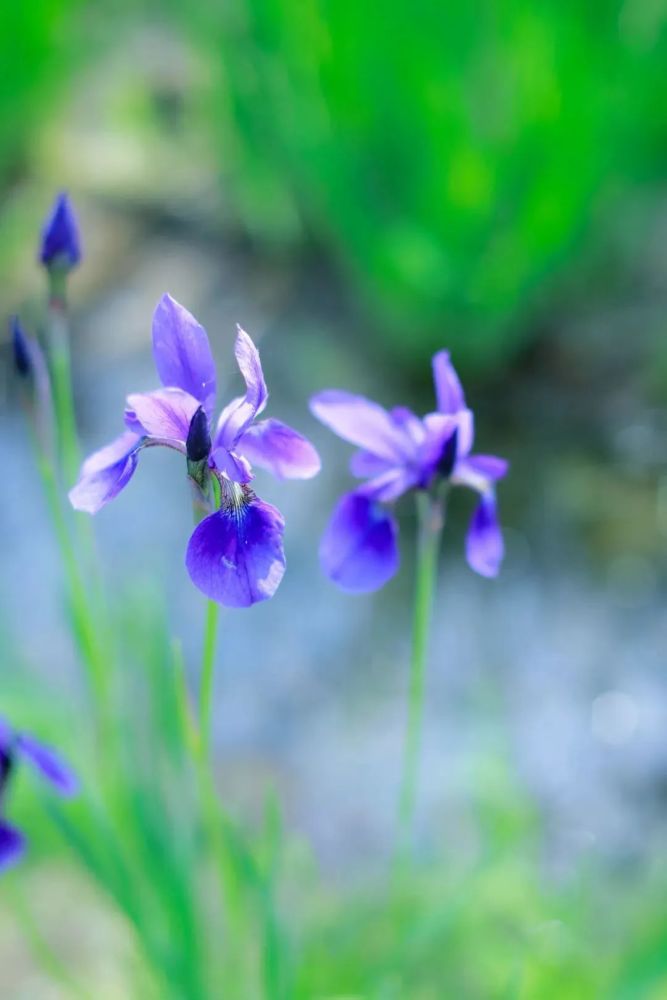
49	766
401	452
60	244
235	555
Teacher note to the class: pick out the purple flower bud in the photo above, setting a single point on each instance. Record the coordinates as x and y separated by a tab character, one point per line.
20	348
198	443
60	246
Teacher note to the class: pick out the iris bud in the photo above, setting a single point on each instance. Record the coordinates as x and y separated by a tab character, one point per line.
60	245
20	348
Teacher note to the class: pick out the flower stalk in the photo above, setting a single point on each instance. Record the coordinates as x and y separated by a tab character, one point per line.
430	524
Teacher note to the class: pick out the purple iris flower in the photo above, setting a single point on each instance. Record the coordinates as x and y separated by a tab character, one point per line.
60	245
47	763
235	555
401	452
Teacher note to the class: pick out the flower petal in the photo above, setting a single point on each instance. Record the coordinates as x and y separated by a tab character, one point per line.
237	417
392	484
448	389
364	464
283	451
484	542
49	764
182	352
235	556
12	846
362	422
359	548
105	473
235	467
165	414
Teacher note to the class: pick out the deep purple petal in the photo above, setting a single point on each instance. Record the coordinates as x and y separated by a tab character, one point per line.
359	548
283	451
235	556
165	414
448	390
6	735
235	467
182	352
105	473
12	846
49	764
484	542
60	242
362	422
238	416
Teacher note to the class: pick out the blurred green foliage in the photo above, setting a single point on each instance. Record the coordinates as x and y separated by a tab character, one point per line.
456	158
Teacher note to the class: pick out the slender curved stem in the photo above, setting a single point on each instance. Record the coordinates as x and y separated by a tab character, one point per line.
430	522
207	672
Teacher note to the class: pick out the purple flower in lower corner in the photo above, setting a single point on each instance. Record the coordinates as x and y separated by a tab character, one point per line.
235	555
60	244
15	746
400	452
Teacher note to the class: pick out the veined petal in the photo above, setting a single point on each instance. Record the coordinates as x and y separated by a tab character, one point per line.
12	846
182	352
283	451
105	473
49	764
484	542
235	556
165	414
448	390
359	548
362	422
235	467
237	417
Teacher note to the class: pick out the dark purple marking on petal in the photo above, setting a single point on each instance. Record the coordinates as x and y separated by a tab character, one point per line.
60	243
165	414
182	352
236	556
363	423
359	549
49	764
105	473
484	542
283	451
448	390
238	416
12	846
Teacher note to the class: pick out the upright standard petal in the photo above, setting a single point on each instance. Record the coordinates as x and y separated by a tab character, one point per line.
236	556
236	418
359	549
60	244
12	846
165	414
105	473
362	422
49	764
448	389
484	542
283	451
182	352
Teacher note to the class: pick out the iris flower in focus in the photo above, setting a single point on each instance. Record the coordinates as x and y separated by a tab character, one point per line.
235	555
400	452
47	763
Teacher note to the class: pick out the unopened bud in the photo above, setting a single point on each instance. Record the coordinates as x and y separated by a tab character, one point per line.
20	348
198	444
60	245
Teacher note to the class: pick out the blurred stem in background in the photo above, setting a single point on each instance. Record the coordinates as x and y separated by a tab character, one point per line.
207	675
430	522
61	370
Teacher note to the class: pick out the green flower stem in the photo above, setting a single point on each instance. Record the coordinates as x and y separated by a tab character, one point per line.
207	673
430	522
61	374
